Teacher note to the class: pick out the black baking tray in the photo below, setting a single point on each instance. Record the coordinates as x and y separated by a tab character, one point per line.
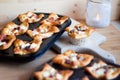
8	54
78	73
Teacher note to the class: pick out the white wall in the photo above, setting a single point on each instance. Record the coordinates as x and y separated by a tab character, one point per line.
9	9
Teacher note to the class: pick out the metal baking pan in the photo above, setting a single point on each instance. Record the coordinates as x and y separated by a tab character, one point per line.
78	73
8	54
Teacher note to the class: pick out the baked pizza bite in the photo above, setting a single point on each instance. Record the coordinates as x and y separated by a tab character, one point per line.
100	70
51	19
61	20
54	19
50	73
111	72
97	69
43	31
24	47
6	41
14	29
79	31
70	59
30	17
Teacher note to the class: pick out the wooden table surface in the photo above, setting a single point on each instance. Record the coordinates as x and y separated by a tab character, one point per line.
112	44
23	71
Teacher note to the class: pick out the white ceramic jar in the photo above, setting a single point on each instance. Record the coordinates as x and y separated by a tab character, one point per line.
98	13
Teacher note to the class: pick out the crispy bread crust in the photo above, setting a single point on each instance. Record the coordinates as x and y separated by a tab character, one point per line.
23	51
112	75
76	34
50	30
54	19
61	20
51	19
109	72
61	59
11	39
30	17
65	73
14	29
90	69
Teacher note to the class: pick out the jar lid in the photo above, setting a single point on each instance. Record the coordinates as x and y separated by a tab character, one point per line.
100	1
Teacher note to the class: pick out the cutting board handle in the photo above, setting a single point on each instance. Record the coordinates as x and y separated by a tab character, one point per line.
104	54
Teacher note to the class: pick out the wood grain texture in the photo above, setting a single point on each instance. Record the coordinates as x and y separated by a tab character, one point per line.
112	44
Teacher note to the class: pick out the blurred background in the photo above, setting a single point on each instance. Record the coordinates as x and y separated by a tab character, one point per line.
9	9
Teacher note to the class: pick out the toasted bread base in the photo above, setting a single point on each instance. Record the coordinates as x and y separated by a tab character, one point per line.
30	17
11	39
64	73
61	59
23	51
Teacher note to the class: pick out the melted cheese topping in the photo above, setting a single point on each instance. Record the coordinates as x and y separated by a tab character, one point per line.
95	66
29	14
111	70
33	17
33	45
81	58
43	30
23	27
81	33
15	31
52	72
78	31
100	71
83	28
25	45
46	74
58	76
72	57
2	43
12	27
35	32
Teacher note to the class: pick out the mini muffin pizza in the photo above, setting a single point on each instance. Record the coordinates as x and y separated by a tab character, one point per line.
50	73
30	17
24	47
102	70
14	29
6	41
71	59
54	19
79	31
79	34
43	31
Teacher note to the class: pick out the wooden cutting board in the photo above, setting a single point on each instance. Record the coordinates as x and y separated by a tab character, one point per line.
63	44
